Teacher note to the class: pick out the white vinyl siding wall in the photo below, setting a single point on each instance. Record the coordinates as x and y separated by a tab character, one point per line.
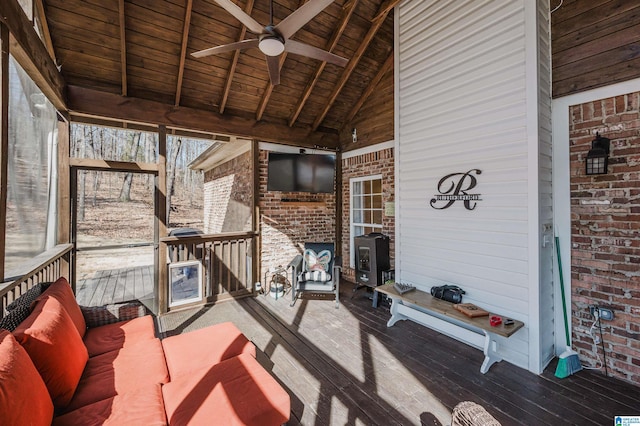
545	190
467	98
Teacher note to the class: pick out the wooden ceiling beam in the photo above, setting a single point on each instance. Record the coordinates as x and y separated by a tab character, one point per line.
375	26
234	61
183	49
347	11
44	26
123	47
388	64
29	51
384	9
111	105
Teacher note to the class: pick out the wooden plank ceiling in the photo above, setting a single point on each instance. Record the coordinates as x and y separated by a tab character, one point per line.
142	49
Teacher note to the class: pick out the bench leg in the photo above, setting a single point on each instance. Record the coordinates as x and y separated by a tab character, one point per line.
490	354
395	315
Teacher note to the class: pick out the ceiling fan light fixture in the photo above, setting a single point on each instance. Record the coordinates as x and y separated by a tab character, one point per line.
271	46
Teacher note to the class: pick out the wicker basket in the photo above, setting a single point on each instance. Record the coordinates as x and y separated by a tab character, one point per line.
96	316
469	413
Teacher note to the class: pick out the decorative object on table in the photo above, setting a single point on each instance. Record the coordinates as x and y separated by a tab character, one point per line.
403	288
568	361
450	293
471	310
495	320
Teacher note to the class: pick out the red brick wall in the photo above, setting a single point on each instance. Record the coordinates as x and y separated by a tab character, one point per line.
228	192
379	162
286	226
605	222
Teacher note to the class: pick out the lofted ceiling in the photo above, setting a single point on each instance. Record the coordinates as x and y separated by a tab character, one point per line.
141	49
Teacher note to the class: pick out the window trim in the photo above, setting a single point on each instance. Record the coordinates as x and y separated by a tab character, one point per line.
352	225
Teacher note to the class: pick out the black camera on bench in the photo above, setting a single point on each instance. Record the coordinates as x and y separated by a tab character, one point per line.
450	293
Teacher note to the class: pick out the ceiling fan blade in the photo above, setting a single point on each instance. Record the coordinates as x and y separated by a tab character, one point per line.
273	63
251	24
244	44
298	48
292	23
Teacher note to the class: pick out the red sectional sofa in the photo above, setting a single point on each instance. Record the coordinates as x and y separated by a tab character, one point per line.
56	370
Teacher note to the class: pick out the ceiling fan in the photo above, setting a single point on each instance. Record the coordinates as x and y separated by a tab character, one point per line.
273	40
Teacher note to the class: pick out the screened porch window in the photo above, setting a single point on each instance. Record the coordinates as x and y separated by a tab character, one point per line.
32	174
366	208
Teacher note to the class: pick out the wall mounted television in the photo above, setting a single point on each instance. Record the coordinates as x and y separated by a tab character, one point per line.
292	172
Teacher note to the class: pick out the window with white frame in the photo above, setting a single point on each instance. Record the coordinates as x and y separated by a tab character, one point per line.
366	208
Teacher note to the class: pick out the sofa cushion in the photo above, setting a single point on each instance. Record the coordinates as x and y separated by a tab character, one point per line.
24	399
61	291
199	349
121	371
12	320
141	407
29	296
110	337
55	347
237	391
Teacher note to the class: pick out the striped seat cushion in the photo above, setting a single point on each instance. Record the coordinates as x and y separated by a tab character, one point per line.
314	276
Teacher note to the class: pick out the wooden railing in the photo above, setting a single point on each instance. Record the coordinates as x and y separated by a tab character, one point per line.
227	260
46	267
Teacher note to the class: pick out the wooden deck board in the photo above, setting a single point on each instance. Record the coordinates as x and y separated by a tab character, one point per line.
117	285
345	366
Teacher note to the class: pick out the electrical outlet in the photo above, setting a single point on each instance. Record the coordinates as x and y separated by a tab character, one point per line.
606	314
603	313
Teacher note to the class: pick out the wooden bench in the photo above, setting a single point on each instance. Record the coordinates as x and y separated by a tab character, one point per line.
422	308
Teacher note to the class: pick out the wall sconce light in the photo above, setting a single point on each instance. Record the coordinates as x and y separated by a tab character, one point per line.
598	156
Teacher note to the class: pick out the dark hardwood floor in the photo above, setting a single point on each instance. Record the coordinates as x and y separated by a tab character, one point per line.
345	367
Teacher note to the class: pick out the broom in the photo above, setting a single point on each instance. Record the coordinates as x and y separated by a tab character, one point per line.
568	362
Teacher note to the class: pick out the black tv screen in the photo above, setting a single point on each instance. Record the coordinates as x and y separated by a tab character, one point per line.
289	172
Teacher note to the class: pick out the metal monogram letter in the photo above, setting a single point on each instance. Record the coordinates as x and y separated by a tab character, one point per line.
457	190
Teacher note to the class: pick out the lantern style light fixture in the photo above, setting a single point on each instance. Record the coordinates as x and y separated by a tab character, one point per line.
598	156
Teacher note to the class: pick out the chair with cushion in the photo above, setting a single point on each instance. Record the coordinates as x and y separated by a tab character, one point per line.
316	270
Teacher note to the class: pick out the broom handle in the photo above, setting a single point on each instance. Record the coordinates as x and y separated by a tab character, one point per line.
564	302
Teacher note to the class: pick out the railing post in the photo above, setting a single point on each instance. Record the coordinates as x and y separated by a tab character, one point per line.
161	287
255	219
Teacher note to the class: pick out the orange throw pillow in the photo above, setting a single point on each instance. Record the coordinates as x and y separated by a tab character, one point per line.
61	291
55	347
24	399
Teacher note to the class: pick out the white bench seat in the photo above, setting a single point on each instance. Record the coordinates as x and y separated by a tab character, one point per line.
421	307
